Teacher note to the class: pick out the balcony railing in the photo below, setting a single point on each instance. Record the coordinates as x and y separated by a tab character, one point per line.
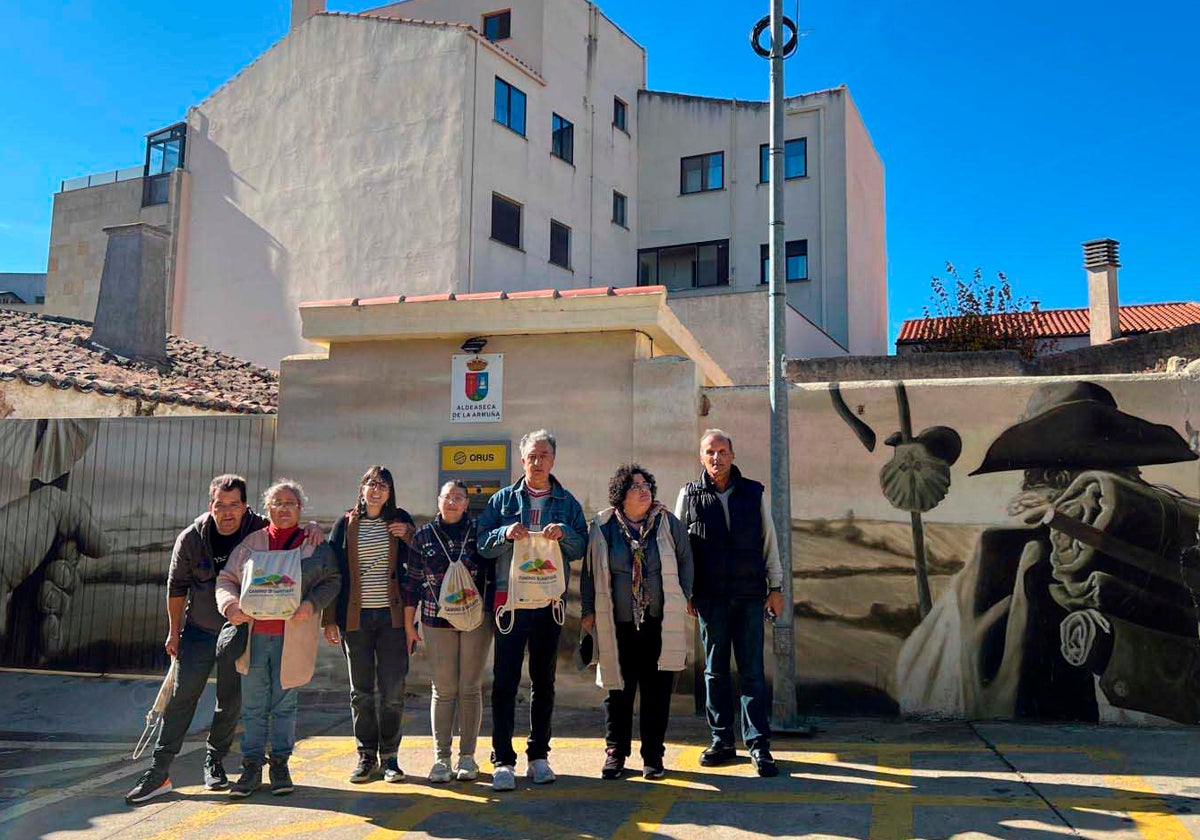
110	177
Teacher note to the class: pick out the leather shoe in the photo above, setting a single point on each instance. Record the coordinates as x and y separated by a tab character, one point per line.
717	754
764	762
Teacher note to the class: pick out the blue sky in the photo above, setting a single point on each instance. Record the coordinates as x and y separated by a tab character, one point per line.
1010	132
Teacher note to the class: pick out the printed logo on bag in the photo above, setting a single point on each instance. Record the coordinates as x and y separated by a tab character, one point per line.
461	596
273	581
538	566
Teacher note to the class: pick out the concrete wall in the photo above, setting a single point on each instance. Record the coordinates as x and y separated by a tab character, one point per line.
862	644
844	178
352	186
20	400
78	242
527	21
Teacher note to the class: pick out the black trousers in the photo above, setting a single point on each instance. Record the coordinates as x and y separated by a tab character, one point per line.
638	650
377	656
538	631
197	657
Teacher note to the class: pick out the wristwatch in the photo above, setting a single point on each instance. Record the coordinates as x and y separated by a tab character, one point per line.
776	588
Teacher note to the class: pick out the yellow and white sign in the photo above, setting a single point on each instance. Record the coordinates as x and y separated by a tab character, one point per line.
462	457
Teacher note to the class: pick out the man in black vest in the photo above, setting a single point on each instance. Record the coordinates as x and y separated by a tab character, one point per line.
738	574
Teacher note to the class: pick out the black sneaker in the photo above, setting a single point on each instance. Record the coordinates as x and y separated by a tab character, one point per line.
249	781
391	771
215	777
364	770
764	762
614	766
717	754
281	778
654	771
150	784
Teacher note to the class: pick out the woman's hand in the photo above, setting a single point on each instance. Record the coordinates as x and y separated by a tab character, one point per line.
305	610
313	535
332	635
413	632
588	622
401	530
236	616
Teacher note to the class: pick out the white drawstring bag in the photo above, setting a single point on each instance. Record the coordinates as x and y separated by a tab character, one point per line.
458	601
154	717
537	577
271	584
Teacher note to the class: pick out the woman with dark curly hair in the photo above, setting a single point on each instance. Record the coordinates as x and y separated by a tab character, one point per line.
636	587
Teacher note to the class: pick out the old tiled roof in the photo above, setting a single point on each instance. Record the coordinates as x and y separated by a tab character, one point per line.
43	349
1061	323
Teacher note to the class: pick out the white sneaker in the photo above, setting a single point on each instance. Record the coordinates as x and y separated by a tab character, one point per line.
503	778
539	771
440	773
467	770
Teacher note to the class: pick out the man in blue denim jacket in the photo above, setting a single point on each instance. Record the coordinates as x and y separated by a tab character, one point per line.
537	502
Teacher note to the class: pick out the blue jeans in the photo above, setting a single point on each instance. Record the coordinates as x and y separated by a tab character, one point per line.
267	707
735	625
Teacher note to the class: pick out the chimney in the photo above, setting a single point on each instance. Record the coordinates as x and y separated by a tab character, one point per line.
1100	262
131	314
302	10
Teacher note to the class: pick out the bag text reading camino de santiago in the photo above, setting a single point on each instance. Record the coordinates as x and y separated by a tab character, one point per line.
536	578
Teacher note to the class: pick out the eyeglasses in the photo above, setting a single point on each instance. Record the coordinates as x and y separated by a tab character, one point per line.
376	485
454	500
639	487
284	505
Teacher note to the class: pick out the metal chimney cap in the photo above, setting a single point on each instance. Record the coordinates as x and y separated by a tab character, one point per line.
1101	253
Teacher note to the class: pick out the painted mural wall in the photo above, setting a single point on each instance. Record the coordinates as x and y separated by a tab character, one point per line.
1021	548
89	512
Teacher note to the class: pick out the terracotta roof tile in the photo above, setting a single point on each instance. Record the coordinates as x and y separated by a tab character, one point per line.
46	350
380	301
429	298
1060	323
482	296
593	291
533	293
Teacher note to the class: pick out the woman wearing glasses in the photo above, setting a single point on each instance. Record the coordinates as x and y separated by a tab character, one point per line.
368	621
280	654
456	655
636	590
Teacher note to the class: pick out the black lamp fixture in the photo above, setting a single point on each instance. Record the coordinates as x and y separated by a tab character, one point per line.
474	345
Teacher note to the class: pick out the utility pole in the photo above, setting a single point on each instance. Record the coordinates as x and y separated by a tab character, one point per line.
784	708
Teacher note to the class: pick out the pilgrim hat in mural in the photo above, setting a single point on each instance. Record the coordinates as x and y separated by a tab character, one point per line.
1076	425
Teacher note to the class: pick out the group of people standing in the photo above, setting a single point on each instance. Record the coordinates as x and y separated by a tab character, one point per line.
375	587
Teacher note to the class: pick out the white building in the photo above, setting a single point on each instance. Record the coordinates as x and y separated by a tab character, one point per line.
441	146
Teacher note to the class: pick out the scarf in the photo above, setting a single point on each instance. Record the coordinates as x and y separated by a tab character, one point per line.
637	547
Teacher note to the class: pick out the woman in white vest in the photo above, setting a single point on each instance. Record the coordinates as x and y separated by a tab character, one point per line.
637	588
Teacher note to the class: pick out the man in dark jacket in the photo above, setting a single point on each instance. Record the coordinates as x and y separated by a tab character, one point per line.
737	575
193	623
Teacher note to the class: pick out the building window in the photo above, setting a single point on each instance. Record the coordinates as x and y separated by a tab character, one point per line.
619	209
164	154
39	299
506	221
795	160
620	114
562	139
702	173
797	261
560	244
510	106
696	266
497	25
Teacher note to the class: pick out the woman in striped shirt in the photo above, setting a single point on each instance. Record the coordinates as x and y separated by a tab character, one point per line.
368	621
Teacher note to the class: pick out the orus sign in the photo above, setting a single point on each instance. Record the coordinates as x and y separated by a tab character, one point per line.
466	457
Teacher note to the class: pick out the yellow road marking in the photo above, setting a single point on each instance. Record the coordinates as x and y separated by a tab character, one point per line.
407	819
292	829
1156	824
892	813
648	815
190	823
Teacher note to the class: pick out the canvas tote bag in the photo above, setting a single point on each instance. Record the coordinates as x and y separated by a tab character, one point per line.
537	577
271	583
459	602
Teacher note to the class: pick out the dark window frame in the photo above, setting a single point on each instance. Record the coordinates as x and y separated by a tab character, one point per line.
705	186
155	183
801	248
562	230
722	260
503	18
509	89
621	200
562	138
620	114
764	160
507	203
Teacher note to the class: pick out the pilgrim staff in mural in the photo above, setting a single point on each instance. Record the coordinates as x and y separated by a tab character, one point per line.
1092	582
45	531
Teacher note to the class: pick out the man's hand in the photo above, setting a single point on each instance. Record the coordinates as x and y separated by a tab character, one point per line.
691	608
313	535
588	622
516	531
413	632
305	610
553	531
401	530
171	645
332	634
236	616
774	604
